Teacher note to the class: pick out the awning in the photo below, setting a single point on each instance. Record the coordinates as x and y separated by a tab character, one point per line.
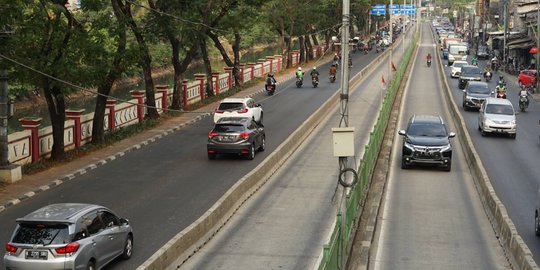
493	33
527	8
516	41
523	45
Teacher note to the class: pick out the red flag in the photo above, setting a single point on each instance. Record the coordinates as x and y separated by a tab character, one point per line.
382	79
393	67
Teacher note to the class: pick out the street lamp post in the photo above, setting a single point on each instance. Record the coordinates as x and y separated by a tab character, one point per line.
537	45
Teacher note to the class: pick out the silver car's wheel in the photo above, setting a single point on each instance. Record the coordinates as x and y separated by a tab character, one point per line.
128	248
251	154
91	266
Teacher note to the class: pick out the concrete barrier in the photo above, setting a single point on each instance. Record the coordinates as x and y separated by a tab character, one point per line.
188	241
519	254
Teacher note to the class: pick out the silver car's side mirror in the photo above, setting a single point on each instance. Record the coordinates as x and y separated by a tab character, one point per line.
124	221
451	135
401	132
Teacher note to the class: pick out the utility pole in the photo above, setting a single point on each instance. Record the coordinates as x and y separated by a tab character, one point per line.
505	16
537	46
9	173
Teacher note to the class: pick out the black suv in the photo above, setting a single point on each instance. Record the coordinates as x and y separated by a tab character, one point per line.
236	135
482	52
469	73
474	94
426	140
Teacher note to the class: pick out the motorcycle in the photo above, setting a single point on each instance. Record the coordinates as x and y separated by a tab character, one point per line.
487	76
298	82
270	89
332	78
523	100
429	62
315	81
501	94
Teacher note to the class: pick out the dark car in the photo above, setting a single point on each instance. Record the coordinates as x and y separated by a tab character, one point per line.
426	141
469	73
482	52
236	135
474	95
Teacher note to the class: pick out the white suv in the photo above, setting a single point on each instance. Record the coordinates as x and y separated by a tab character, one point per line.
497	115
239	107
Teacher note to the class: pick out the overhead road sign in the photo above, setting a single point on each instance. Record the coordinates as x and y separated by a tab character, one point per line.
378	12
379	7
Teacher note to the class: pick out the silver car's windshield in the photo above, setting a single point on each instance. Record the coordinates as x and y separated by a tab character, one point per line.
499	109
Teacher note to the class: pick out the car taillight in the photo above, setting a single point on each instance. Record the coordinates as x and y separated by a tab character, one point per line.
245	110
244	135
212	134
69	248
219	111
10	248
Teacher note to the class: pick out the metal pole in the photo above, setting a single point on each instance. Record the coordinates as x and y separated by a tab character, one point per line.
504	34
537	46
391	30
345	114
4	156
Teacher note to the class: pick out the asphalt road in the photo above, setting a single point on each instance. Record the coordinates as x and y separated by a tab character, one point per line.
165	186
287	222
512	165
432	219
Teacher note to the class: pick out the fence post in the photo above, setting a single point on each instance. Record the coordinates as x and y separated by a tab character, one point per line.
111	105
271	59
215	79
200	77
184	94
139	95
229	71
261	62
32	124
75	115
252	67
241	67
279	61
164	90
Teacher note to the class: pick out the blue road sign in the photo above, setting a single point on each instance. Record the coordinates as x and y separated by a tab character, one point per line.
411	11
379	7
395	6
378	11
402	11
395	11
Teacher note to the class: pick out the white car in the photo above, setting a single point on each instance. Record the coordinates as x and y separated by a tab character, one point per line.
239	107
497	115
456	68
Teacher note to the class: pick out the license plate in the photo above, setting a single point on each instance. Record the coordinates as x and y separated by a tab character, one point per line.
36	255
500	130
225	138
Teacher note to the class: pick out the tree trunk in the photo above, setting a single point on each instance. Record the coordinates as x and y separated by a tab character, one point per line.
309	49
146	64
315	40
208	67
235	63
104	89
302	49
57	108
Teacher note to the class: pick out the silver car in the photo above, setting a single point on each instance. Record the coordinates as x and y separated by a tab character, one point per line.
497	115
68	236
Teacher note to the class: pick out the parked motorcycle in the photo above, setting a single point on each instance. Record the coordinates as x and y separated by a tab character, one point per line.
315	81
298	82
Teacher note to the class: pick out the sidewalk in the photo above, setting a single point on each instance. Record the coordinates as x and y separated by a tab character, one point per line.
30	185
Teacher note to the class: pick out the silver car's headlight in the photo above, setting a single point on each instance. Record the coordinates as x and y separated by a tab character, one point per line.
489	122
513	122
468	98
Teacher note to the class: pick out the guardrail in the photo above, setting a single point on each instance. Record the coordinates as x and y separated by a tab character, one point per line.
332	256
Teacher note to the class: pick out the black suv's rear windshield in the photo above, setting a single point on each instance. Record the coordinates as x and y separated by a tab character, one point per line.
427	130
472	71
228	128
230	106
41	234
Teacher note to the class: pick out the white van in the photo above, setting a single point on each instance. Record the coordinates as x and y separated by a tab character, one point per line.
457	52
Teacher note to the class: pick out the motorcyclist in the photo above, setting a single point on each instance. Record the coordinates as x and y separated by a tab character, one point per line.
314	73
501	81
428	59
523	93
474	61
270	80
494	63
300	74
333	70
488	72
501	89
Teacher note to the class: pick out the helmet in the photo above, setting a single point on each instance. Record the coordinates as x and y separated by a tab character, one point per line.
314	68
501	77
299	68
